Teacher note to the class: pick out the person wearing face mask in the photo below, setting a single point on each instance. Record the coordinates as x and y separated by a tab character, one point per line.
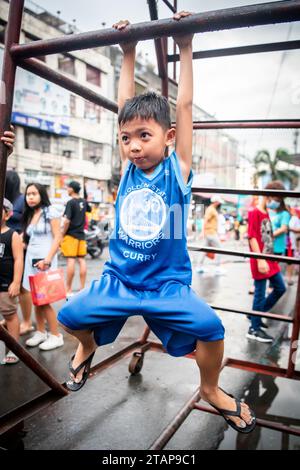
261	240
280	218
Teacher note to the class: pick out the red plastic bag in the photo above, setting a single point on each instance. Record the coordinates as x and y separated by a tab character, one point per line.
47	287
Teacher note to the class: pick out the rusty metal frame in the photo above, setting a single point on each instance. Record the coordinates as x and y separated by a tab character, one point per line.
23	55
253	49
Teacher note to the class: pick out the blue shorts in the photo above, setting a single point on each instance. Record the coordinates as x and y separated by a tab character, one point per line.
175	314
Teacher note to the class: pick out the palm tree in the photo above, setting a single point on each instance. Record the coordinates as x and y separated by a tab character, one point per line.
263	158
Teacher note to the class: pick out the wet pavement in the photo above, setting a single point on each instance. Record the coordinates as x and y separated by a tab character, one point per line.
117	411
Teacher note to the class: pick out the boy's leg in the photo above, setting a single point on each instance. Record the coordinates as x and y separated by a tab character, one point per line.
82	271
70	273
26	307
209	357
86	347
50	315
278	289
13	325
202	257
96	315
258	302
215	243
40	319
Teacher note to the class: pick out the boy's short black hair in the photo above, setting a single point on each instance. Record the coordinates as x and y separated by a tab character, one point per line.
146	106
75	186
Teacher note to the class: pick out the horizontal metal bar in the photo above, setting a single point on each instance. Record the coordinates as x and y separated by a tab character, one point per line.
246	254
249	124
257	192
260	368
31	362
111	360
260	422
229	18
170	430
230	51
254	313
27	410
42	70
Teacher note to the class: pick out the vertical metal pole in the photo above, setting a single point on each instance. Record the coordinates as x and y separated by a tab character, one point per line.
165	78
174	48
295	334
12	36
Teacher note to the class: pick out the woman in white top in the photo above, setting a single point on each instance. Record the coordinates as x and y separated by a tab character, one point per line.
42	235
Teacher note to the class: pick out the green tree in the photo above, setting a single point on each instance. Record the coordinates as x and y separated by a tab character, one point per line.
266	165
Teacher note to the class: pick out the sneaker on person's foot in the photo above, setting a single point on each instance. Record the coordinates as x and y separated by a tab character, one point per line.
264	325
52	342
37	338
259	335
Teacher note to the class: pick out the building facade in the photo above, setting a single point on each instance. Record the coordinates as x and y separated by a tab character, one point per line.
61	136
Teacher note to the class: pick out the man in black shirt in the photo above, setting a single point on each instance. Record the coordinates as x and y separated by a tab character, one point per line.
74	245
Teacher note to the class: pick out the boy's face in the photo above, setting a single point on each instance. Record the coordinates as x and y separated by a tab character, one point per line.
144	142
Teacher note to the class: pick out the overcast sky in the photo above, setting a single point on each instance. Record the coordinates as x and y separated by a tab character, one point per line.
262	86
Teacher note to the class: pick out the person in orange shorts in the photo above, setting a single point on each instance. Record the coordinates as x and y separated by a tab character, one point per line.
73	245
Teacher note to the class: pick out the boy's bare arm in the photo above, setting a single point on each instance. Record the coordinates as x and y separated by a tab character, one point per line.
184	105
17	249
126	89
262	264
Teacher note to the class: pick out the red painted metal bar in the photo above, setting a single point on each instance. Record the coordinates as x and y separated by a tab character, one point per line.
159	44
169	5
145	335
249	124
257	192
111	360
30	362
260	368
254	313
165	79
174	46
42	70
260	422
295	340
246	254
232	51
26	411
229	18
170	430
7	83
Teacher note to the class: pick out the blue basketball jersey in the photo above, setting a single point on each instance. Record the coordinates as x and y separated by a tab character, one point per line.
148	245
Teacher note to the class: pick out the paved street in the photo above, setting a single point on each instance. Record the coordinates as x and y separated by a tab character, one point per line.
118	411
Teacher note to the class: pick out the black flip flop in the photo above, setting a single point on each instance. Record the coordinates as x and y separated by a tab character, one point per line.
75	386
226	413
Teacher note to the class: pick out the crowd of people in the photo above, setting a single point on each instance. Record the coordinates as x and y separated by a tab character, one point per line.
32	232
270	226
